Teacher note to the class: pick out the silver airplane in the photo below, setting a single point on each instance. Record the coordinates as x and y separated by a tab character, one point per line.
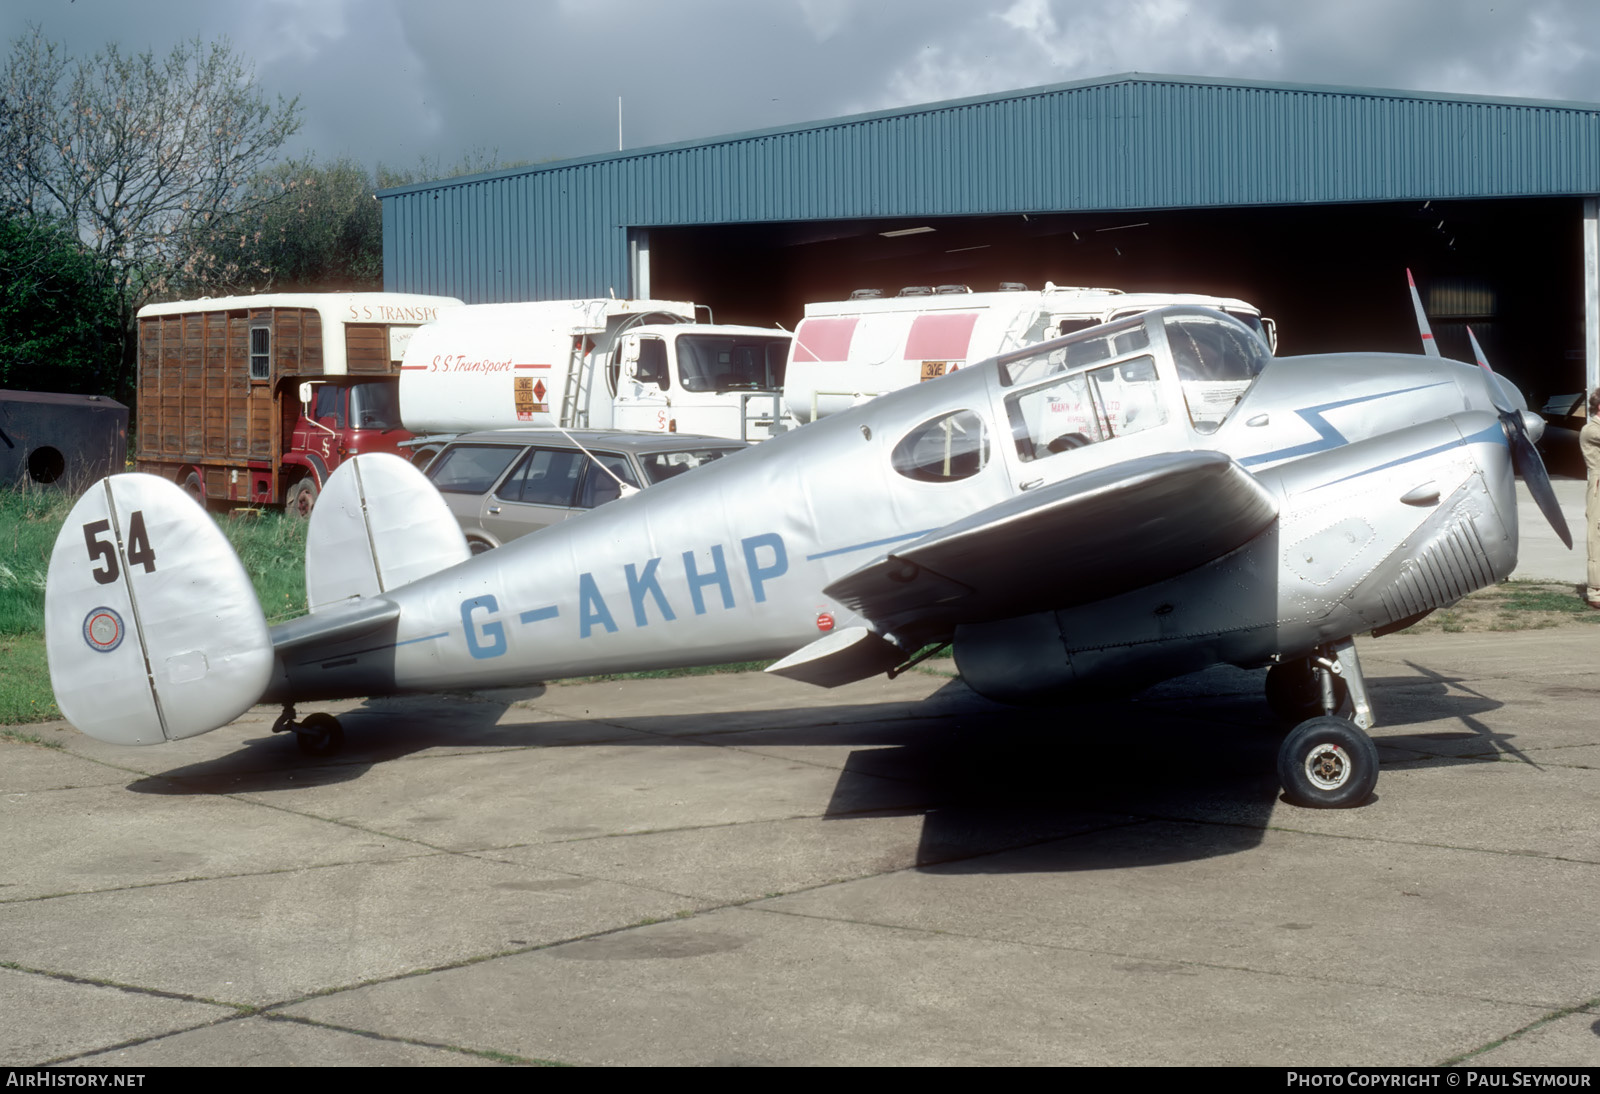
1089	515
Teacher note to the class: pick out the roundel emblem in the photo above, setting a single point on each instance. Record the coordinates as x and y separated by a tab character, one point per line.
102	629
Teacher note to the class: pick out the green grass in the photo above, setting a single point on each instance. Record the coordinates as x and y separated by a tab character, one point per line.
25	694
29	521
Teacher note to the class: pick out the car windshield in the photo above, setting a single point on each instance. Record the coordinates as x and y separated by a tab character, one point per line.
712	362
661	466
375	405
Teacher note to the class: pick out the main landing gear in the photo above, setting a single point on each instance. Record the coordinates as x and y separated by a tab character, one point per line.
318	735
1327	761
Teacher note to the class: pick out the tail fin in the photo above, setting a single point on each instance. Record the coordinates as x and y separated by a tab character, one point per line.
379	524
152	627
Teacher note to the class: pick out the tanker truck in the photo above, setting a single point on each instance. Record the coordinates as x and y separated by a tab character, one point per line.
643	365
848	351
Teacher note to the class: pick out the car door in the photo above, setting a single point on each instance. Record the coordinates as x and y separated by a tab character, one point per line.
599	486
539	491
464	473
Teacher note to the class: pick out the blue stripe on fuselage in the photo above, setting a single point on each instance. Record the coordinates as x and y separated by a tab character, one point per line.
1489	435
1327	436
875	543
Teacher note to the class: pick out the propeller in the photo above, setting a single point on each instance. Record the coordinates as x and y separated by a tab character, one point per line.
1524	457
1429	346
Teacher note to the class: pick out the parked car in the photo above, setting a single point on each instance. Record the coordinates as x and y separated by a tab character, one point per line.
505	483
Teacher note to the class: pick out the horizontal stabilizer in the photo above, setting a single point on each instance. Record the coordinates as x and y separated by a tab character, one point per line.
1089	537
841	657
152	627
378	525
341	622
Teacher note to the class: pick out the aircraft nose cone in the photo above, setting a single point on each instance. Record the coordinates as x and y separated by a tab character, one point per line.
1533	425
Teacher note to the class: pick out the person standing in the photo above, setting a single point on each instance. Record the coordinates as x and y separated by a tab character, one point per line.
1589	443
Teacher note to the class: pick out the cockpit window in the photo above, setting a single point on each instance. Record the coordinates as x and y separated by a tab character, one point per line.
1086	407
1106	343
950	447
1217	361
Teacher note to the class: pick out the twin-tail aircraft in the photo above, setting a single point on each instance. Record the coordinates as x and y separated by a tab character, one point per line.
1090	515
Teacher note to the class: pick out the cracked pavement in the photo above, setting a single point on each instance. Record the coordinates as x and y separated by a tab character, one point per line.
745	870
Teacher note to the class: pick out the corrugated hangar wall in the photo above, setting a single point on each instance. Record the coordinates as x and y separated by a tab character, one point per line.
1128	143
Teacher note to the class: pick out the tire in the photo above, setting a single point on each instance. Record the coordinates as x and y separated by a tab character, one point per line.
1294	693
1327	763
301	499
320	735
478	546
195	488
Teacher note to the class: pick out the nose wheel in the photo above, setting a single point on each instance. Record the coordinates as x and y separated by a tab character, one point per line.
1326	762
318	734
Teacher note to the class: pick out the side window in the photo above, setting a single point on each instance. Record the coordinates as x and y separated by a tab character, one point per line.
950	447
329	406
260	353
470	469
652	367
599	487
1086	408
546	476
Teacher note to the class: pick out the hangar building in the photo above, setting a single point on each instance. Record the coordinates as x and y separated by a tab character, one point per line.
1309	201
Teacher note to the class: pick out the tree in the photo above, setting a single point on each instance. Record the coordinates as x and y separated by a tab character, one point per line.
309	228
60	315
136	154
303	228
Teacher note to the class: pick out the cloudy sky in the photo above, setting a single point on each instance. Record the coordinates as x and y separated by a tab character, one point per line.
397	80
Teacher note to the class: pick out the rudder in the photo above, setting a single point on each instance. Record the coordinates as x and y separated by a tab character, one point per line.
152	627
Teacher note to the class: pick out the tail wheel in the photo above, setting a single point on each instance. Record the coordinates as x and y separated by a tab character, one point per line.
302	498
320	735
1327	763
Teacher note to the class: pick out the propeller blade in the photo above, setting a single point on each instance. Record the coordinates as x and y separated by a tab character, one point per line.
1525	458
1428	345
1496	394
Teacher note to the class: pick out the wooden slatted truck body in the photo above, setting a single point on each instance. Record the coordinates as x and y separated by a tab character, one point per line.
256	399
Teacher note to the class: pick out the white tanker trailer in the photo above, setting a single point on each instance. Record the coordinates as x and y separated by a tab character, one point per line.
848	351
592	364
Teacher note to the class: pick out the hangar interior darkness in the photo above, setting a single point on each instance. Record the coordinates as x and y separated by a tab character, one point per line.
1333	276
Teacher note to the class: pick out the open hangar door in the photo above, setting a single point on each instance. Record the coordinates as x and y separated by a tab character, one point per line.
1333	276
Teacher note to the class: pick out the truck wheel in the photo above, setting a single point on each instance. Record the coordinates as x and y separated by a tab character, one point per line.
302	499
195	489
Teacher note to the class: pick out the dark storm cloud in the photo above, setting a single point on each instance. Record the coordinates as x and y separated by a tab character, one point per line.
393	80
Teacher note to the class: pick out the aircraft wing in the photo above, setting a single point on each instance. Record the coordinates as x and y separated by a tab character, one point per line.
1087	538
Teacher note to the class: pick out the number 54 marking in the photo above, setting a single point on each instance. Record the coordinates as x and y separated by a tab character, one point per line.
104	550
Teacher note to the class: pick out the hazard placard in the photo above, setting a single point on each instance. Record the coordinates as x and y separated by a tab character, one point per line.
528	394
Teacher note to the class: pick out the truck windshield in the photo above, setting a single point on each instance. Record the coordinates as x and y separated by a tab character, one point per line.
717	362
375	405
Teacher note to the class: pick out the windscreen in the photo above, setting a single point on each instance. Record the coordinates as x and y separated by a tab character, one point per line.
718	362
1218	358
375	405
661	466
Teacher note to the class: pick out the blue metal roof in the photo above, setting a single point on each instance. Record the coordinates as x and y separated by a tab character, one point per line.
1125	142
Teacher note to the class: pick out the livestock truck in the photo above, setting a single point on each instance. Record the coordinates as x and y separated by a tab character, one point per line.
256	399
848	351
601	363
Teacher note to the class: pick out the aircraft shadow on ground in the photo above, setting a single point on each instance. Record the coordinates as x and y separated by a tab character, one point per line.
1078	788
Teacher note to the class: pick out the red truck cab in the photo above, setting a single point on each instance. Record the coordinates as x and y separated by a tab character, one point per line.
343	418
